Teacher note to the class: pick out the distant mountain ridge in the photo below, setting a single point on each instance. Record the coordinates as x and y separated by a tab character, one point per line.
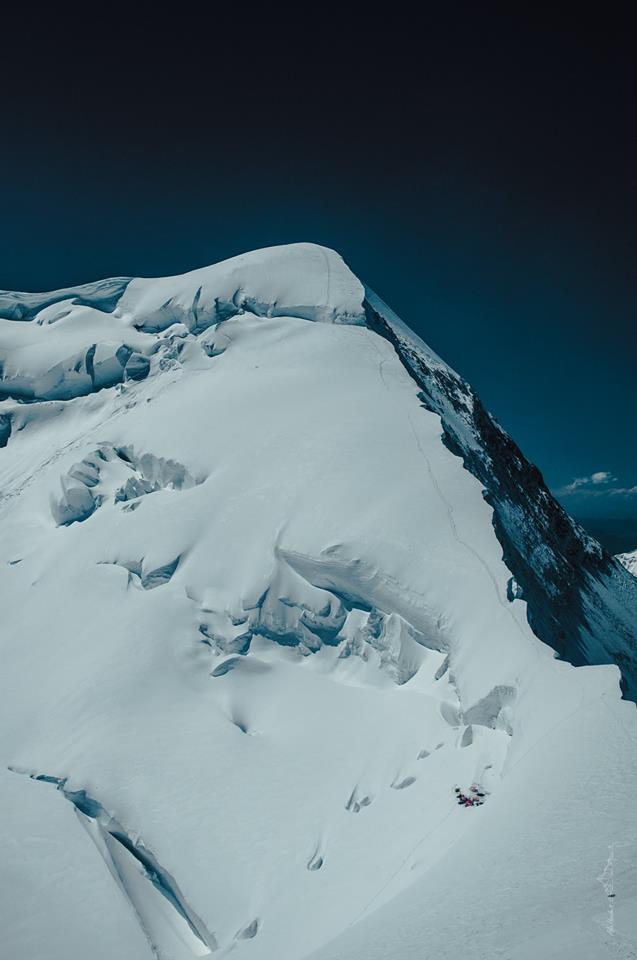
617	535
629	560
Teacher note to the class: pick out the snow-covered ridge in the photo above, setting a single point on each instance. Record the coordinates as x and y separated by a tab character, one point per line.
80	340
564	575
74	341
629	560
267	589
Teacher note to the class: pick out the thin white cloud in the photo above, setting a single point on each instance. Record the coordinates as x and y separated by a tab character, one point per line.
598	484
623	491
602	476
597	479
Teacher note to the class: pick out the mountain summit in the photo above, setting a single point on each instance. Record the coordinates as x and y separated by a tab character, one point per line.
301	657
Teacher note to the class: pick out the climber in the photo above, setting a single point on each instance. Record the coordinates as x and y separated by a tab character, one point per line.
473	799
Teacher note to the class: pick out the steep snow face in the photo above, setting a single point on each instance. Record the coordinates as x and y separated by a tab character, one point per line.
629	560
579	599
259	636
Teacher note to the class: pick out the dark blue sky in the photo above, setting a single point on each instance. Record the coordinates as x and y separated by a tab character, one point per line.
478	172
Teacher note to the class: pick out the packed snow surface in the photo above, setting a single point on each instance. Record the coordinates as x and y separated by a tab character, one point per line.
629	560
257	629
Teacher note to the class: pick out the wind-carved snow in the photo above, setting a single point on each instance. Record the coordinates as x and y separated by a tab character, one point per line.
258	623
294	612
86	484
102	295
307	282
30	378
166	919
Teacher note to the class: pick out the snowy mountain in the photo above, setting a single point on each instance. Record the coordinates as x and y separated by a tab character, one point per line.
629	560
281	604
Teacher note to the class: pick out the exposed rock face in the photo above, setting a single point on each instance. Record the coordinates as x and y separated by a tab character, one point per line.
559	569
272	585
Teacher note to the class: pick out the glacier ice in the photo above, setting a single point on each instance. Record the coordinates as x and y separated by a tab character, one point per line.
274	583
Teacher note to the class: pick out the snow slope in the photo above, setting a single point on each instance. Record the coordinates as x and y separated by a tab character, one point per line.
629	560
260	620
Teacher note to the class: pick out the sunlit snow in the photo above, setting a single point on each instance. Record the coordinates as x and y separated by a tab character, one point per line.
256	628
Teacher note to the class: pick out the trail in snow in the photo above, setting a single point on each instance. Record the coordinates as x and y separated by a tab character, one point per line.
278	719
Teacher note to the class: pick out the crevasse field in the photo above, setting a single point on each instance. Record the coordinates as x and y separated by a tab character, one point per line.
257	627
